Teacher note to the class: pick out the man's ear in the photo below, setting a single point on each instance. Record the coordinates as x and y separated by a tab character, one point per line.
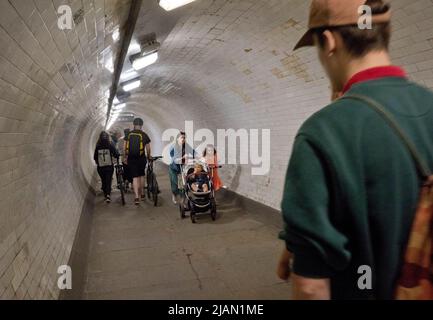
330	43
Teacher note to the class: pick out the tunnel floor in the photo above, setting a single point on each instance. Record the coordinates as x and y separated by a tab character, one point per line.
150	253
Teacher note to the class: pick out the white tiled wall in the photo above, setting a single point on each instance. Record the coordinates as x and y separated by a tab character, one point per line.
51	82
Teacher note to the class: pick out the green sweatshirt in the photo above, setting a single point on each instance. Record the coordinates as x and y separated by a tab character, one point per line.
352	187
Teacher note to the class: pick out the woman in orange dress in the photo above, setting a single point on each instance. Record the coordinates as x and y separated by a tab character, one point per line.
211	158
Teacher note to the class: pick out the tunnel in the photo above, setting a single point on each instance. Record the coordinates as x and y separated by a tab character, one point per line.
222	65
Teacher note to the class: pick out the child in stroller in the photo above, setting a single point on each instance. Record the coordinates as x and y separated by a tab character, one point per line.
199	179
198	192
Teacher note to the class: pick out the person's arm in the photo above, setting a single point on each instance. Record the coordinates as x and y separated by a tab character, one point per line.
284	265
178	160
317	249
149	151
310	289
147	142
95	156
302	288
125	150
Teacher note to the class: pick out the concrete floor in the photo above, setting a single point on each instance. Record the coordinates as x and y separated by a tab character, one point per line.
150	253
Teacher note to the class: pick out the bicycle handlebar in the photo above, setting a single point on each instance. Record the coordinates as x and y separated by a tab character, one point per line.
156	158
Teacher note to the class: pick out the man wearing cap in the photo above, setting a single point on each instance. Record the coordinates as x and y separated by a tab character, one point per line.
352	187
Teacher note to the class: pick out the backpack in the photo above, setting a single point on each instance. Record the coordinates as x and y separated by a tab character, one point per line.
135	145
104	158
415	281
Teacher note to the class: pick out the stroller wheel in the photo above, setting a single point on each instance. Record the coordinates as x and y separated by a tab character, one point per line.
213	209
182	211
193	219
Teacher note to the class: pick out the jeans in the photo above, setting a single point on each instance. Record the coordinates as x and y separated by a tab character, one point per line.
173	181
106	174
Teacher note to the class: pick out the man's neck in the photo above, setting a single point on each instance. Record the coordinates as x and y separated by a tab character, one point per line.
371	60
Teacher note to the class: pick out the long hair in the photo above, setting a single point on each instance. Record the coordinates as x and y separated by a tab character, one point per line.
209	146
104	139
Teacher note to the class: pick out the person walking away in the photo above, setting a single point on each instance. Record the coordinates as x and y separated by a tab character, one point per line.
180	152
352	186
104	156
122	147
137	147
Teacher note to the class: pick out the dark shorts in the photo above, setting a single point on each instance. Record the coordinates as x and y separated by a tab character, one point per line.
137	167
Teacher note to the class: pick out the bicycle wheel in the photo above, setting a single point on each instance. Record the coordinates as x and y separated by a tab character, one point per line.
182	209
122	190
213	209
192	216
155	191
149	185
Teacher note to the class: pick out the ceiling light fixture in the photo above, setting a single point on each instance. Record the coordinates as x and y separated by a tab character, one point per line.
128	74
144	61
134	48
131	85
116	35
118	107
169	5
148	53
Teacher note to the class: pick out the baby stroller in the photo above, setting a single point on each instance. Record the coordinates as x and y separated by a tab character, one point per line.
196	201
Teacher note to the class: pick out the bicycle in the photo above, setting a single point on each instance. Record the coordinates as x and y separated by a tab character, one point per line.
152	184
121	184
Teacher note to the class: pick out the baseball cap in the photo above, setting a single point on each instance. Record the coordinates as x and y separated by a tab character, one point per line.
335	13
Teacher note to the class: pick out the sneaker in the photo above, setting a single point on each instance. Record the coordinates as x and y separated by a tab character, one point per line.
108	199
174	200
137	201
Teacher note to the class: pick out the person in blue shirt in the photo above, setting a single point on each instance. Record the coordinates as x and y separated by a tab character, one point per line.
180	152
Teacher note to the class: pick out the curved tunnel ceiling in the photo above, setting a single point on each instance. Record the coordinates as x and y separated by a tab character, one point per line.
229	64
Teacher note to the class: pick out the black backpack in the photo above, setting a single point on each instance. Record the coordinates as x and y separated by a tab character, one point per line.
135	145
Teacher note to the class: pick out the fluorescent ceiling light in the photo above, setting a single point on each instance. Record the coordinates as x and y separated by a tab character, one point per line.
109	65
143	62
168	5
132	86
119	107
134	48
128	74
116	35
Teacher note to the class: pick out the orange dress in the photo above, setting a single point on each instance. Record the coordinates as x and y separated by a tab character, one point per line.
216	180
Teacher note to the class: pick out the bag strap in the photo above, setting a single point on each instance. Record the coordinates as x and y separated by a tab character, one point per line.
389	118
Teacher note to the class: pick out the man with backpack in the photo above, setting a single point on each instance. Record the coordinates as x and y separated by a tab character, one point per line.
137	147
353	182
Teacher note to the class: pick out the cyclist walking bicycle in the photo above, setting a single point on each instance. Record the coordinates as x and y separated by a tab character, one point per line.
137	151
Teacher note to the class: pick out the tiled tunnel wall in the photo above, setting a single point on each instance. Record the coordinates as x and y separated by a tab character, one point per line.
49	80
228	64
